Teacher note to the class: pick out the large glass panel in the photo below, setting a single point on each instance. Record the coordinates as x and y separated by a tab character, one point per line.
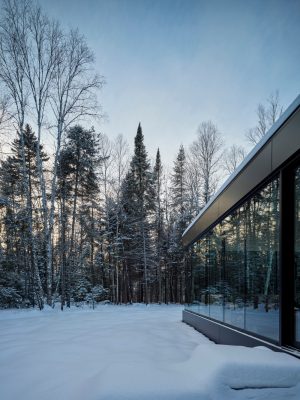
297	258
233	230
235	268
261	269
215	266
196	284
200	302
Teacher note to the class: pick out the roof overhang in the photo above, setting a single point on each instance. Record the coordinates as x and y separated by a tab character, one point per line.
280	143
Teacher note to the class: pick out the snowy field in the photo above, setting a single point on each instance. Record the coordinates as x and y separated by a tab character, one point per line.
131	352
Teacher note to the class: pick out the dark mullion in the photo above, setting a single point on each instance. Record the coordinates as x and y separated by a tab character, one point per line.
286	258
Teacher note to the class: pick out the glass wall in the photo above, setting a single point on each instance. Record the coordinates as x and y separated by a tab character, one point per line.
235	266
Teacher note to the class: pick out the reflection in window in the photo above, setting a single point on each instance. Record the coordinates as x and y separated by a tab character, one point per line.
236	266
215	295
234	289
261	266
200	278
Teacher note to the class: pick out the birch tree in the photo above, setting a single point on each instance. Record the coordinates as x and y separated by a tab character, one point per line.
206	154
5	116
13	31
72	98
5	119
40	53
120	165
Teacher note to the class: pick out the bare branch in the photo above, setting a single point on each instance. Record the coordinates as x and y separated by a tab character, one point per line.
13	31
5	115
266	116
74	94
274	108
206	154
233	157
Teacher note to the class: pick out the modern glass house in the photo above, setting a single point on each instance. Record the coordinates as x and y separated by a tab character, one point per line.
244	248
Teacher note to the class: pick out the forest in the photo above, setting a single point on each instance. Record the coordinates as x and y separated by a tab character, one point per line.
85	217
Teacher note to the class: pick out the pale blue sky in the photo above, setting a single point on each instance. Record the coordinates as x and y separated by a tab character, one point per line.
172	64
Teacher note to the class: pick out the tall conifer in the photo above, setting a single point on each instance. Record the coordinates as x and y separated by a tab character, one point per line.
138	200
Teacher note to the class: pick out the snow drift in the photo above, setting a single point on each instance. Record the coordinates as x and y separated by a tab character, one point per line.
132	352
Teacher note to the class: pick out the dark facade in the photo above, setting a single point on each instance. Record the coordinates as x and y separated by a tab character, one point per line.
245	248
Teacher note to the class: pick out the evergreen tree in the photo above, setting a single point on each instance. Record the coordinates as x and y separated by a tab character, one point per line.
138	203
159	234
25	252
77	191
178	189
179	219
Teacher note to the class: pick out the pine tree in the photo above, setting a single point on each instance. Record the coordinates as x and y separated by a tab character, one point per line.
138	204
25	247
178	188
77	190
178	222
159	234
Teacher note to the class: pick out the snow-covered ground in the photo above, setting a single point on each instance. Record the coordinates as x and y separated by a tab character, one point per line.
131	352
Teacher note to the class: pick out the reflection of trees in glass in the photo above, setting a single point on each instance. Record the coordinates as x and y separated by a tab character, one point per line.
233	230
236	264
262	218
214	264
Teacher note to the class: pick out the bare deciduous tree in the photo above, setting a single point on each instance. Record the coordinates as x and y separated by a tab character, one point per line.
206	154
13	32
73	97
274	109
120	157
13	29
121	162
194	183
233	157
40	51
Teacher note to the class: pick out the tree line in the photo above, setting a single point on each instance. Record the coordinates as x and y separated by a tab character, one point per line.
87	220
117	222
